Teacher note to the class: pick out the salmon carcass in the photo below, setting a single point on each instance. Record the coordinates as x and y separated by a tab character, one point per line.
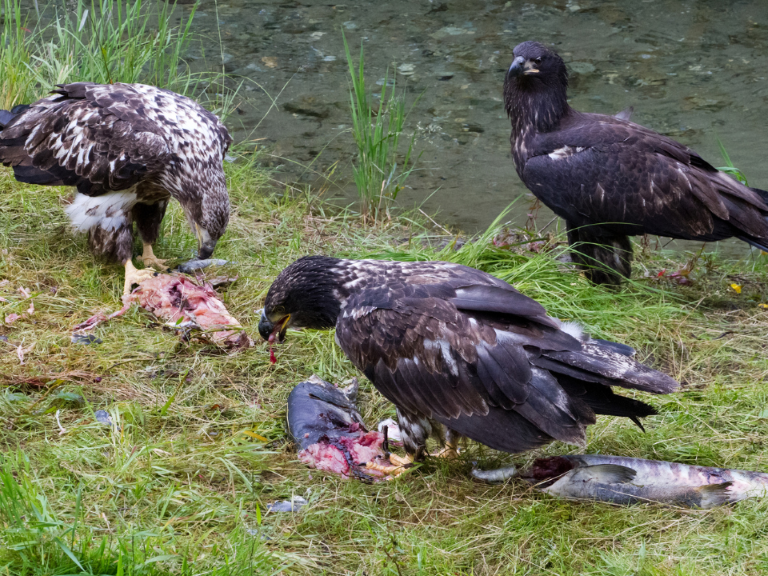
631	480
325	424
182	305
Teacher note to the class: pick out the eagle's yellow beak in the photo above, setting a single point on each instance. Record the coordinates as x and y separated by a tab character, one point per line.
205	244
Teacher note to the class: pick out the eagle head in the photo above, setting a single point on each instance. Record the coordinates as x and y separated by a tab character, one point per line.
535	87
307	294
207	210
533	62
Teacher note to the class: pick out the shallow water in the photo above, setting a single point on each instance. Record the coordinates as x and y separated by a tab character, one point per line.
694	70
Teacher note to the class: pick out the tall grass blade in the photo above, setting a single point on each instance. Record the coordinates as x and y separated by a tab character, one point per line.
377	135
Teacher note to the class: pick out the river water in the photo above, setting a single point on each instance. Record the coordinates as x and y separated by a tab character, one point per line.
695	70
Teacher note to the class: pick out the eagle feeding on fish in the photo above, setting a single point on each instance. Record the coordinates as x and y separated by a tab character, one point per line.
127	149
610	178
458	350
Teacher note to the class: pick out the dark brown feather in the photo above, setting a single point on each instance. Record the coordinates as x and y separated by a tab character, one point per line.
617	177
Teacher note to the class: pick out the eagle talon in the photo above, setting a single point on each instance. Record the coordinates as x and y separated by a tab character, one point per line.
388	469
400	461
135	276
156	263
447	453
150	260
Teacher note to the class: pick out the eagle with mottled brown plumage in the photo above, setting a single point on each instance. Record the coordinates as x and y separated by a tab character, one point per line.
458	350
610	178
127	149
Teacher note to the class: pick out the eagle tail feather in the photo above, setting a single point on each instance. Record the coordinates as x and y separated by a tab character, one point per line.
761	244
762	193
603	400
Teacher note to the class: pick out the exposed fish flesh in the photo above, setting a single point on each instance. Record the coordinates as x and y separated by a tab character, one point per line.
182	304
194	264
631	480
325	424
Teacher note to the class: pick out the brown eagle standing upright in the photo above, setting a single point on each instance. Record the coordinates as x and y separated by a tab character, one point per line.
128	149
610	178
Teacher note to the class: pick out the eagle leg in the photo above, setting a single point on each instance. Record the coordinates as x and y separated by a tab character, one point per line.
604	257
451	449
134	276
149	259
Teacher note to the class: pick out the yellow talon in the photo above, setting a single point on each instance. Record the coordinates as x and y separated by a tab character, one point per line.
400	461
449	453
149	259
134	276
394	467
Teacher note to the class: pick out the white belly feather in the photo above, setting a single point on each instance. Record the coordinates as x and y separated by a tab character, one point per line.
108	211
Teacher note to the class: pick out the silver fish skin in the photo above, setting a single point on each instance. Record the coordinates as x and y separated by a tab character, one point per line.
630	480
745	484
612	483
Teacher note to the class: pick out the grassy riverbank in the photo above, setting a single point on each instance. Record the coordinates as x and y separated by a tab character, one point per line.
181	483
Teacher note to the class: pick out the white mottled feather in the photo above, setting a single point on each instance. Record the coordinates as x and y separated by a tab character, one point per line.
108	211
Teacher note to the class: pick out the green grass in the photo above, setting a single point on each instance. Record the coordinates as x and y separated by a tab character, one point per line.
179	484
180	481
103	41
377	131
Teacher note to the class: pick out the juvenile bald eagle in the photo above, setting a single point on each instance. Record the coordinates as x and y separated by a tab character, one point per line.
457	349
610	178
128	149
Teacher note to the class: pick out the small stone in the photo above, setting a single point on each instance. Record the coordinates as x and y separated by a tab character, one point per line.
582	67
269	61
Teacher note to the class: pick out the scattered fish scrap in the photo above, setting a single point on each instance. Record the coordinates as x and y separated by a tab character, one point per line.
325	424
295	504
183	305
195	264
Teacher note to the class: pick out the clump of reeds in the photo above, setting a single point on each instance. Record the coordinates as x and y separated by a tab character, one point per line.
381	168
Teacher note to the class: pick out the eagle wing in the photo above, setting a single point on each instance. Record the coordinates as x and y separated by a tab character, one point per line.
601	169
97	138
482	369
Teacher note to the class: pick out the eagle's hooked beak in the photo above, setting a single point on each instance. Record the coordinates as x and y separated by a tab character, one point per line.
521	67
516	69
205	244
271	331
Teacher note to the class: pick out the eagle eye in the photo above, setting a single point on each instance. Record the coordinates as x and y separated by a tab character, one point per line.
537	60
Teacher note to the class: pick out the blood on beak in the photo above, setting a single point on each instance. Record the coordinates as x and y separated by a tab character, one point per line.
278	331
